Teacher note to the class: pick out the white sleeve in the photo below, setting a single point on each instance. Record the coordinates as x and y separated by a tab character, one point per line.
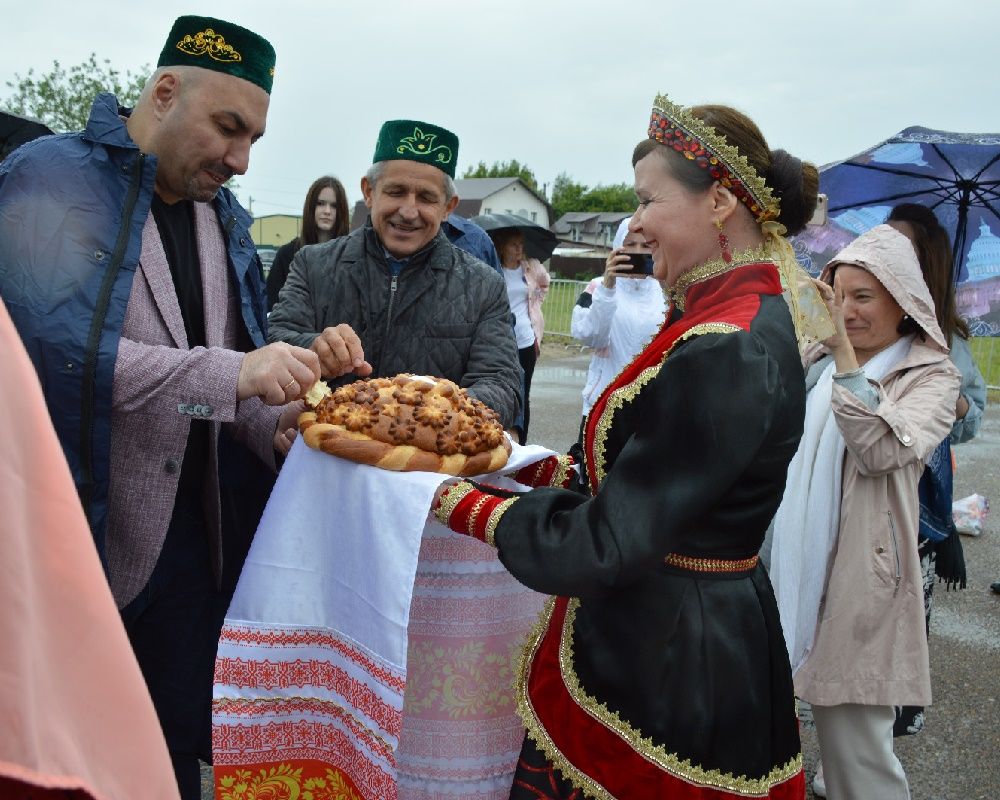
592	325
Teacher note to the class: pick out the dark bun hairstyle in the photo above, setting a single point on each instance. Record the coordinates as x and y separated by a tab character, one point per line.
795	183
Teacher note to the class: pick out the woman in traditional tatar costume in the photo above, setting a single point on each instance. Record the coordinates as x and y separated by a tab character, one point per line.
659	669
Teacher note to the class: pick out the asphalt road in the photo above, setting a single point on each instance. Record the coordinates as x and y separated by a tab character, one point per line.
957	755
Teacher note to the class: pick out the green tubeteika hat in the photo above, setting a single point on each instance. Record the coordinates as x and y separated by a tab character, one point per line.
417	141
222	46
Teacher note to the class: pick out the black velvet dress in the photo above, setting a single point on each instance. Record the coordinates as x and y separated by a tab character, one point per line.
659	669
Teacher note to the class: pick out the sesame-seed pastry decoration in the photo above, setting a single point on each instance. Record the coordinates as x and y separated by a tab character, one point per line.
406	423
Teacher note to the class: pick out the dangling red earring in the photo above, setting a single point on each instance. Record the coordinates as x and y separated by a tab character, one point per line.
724	243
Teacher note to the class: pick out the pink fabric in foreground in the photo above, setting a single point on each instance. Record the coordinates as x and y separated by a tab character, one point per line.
469	620
76	716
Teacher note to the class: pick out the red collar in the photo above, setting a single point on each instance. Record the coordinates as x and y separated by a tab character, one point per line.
726	301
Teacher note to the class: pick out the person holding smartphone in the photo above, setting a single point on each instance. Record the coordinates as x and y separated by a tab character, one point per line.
618	317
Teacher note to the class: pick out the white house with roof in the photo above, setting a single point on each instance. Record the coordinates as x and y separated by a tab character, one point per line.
501	196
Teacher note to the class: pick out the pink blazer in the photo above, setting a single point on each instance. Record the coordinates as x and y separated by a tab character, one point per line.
159	387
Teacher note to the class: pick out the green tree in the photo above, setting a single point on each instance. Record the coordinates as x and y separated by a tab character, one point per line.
61	98
503	169
568	195
613	197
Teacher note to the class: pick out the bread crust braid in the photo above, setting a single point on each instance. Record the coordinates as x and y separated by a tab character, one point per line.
408	423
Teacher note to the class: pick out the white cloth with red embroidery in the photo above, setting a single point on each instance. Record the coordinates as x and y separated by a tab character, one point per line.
312	662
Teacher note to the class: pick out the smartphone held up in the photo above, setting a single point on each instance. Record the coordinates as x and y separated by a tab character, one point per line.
639	264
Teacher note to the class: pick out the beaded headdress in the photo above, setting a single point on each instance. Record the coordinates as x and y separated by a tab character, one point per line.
697	141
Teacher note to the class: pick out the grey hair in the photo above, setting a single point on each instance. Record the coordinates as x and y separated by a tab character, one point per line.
375	173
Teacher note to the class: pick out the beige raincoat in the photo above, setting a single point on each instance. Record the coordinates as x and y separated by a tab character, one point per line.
871	643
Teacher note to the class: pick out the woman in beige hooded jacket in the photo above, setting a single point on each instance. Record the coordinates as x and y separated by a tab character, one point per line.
844	558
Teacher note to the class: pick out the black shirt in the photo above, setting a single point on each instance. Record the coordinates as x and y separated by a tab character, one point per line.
177	232
176	225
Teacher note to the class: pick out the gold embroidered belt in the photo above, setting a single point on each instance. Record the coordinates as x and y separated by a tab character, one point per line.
710	564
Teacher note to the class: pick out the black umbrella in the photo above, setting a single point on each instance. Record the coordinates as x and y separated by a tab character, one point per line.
16	130
539	242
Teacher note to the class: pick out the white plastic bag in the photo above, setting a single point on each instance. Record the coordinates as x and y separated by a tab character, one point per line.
970	514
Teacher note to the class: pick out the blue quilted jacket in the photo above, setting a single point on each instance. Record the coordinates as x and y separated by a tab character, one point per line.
72	210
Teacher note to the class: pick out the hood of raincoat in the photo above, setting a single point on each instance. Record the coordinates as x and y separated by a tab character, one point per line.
889	256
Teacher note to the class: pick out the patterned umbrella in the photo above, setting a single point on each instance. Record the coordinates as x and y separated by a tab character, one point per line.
957	175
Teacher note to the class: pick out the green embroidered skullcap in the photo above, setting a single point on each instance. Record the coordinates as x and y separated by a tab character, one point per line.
417	141
216	44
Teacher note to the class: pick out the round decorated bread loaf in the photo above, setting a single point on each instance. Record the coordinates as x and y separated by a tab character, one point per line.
406	423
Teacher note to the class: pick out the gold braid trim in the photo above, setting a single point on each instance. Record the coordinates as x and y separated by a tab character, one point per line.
630	391
526	711
619	397
451	499
494	520
643	746
599	438
470	523
712	269
563	466
710	564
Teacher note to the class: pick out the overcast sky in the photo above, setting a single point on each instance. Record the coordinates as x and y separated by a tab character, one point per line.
563	86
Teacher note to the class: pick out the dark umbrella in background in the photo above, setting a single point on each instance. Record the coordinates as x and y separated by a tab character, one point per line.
16	130
539	242
956	175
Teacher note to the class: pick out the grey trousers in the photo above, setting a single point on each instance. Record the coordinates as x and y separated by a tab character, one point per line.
855	745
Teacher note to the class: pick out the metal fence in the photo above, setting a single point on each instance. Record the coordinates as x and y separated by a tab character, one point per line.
558	307
562	296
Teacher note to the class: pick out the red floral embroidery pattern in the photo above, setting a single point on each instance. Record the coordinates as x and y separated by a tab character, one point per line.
236	736
290	638
272	675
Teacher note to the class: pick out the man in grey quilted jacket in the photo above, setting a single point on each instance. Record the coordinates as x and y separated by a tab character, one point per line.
395	295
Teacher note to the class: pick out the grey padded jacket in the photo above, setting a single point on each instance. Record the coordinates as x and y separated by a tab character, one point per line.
445	315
